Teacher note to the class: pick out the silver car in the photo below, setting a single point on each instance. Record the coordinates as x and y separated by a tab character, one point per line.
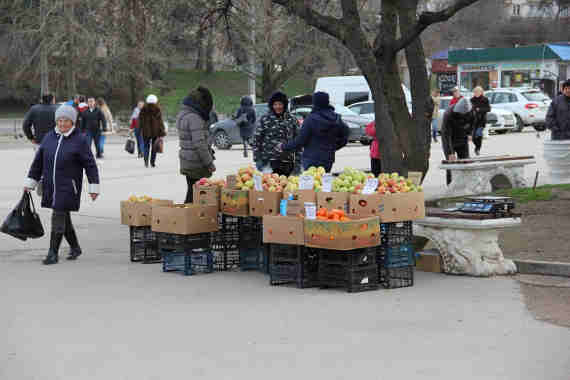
529	105
225	133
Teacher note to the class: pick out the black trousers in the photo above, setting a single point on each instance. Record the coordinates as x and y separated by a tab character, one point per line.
61	224
478	142
462	152
375	166
190	192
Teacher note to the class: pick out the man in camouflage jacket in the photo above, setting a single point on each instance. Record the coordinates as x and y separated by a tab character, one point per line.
276	128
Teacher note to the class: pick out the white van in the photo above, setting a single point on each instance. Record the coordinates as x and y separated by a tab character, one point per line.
347	90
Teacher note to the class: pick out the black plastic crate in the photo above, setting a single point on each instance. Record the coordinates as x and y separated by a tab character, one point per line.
396	256
396	233
250	258
354	257
227	236
176	242
188	262
143	245
226	260
392	278
285	253
353	279
293	264
250	232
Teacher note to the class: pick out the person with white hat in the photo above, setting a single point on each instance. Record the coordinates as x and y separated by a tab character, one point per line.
60	161
152	128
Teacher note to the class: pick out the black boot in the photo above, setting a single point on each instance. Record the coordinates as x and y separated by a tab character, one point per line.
52	256
71	238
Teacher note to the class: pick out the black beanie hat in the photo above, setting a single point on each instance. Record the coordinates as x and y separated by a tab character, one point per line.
278	97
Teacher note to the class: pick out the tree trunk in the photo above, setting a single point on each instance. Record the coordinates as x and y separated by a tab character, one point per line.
44	70
200	59
210	50
69	67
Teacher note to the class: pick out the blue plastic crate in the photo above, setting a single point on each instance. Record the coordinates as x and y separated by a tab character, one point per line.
188	262
397	256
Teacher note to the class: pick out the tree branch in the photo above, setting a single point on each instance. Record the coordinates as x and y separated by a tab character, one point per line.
302	8
426	19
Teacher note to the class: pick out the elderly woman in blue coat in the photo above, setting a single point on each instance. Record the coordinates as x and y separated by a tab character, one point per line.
59	162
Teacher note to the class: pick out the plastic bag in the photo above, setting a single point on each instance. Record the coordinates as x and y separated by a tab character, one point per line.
130	146
23	222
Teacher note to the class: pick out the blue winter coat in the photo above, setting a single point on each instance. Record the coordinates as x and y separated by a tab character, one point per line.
60	162
322	134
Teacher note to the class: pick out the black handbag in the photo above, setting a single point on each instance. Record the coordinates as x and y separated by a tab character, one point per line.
130	146
24	222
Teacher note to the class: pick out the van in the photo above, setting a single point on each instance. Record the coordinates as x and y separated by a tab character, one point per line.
347	90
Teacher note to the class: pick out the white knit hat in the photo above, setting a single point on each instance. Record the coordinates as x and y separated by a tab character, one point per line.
66	111
151	99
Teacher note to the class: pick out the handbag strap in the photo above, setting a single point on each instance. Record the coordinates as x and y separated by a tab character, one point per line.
33	207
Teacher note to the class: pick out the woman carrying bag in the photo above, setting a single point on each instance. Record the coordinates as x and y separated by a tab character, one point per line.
60	161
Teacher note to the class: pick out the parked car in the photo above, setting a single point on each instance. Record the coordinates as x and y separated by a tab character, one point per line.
225	132
366	109
529	105
498	120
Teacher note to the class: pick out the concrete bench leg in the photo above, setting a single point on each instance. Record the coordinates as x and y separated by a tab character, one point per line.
474	252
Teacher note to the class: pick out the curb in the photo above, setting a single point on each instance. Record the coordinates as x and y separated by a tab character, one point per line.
548	268
544	281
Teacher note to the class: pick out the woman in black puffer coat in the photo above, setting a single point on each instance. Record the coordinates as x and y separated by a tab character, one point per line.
481	106
246	123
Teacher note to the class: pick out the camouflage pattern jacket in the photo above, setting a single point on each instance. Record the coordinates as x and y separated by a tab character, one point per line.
271	132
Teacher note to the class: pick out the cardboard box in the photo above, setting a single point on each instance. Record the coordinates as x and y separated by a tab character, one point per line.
283	230
297	205
264	203
235	202
206	195
185	219
139	214
333	200
358	233
390	208
429	261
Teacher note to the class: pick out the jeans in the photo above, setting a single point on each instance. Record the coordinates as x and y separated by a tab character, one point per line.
434	129
140	141
148	145
93	138
101	144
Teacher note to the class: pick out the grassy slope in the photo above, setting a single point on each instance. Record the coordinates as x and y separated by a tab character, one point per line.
226	86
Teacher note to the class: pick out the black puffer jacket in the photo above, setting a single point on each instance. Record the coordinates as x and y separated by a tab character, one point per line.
42	118
558	118
456	126
246	107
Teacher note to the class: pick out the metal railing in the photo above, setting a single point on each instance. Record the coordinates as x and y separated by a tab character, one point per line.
12	128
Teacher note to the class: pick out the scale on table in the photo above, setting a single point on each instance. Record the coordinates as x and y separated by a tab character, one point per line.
488	205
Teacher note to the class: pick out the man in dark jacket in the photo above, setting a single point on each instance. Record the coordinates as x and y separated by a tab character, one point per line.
322	134
93	122
455	130
40	119
558	116
245	119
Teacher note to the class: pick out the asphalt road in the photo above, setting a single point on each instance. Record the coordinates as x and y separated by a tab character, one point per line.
103	317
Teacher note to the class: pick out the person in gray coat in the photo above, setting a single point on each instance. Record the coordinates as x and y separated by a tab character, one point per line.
196	154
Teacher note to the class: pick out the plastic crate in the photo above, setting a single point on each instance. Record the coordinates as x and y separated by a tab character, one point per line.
227	236
396	233
353	279
176	242
392	278
250	232
143	245
353	258
226	260
396	256
250	258
293	264
188	262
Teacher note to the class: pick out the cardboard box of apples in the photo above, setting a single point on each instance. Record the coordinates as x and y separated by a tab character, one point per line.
137	211
207	192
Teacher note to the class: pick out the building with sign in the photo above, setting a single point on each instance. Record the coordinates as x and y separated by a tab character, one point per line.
445	74
541	66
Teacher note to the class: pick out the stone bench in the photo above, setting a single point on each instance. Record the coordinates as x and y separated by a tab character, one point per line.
468	246
485	174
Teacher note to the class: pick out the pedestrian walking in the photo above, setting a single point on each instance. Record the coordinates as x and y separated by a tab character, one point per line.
196	154
375	162
275	128
481	107
61	159
94	123
435	114
152	128
109	121
40	119
455	129
558	116
245	119
456	96
136	128
322	134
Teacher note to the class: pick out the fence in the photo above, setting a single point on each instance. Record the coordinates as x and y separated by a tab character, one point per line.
12	128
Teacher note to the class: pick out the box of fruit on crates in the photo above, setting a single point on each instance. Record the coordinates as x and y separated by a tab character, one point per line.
333	200
207	192
283	230
264	202
137	211
185	219
235	202
334	230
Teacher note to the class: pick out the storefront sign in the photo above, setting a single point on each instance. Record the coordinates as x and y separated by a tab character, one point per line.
445	82
520	66
478	67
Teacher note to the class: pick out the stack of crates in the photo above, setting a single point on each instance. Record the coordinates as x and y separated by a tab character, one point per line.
252	256
143	245
355	270
225	243
395	255
189	254
293	264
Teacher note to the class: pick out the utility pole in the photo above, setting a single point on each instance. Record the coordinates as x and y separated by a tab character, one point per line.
44	70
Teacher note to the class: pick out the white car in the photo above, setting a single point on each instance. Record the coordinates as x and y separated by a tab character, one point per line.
529	105
498	120
366	109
